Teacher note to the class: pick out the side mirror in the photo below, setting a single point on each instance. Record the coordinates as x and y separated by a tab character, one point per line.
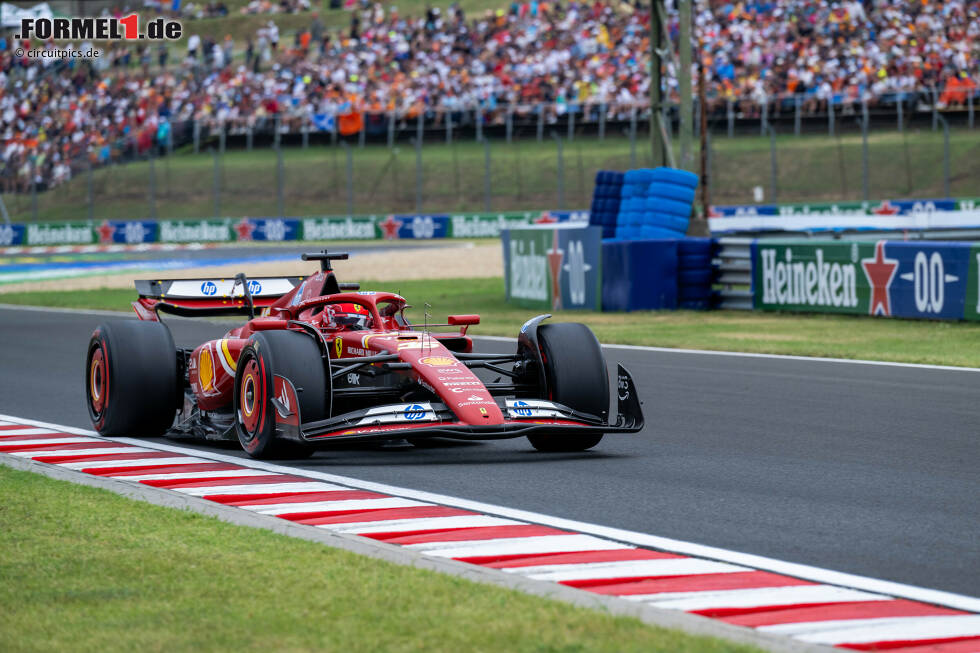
463	321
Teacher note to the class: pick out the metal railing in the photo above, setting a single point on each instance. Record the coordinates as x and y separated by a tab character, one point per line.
733	272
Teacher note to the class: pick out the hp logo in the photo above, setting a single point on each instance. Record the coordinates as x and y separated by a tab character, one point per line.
521	409
254	287
414	412
209	288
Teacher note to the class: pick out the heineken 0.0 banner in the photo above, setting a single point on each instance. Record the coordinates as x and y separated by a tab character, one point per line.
552	268
884	278
362	227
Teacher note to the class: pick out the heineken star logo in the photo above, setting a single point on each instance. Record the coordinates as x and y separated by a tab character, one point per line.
880	271
555	257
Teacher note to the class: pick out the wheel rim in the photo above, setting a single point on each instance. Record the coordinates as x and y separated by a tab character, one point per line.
250	401
98	382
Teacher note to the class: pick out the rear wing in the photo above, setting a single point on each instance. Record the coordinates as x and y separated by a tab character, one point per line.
208	297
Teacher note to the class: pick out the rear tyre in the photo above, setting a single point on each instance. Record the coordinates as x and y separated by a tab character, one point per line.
575	371
131	384
289	354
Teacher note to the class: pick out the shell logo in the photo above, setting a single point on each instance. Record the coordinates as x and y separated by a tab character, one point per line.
205	371
438	361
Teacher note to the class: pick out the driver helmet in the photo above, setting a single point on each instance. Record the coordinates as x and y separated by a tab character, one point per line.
351	316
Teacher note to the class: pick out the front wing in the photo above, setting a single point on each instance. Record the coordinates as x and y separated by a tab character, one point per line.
434	419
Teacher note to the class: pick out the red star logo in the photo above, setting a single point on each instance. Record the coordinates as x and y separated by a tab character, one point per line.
106	232
244	229
880	271
546	218
555	257
390	227
885	208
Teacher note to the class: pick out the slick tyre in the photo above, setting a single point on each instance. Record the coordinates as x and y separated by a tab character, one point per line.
131	383
575	371
293	356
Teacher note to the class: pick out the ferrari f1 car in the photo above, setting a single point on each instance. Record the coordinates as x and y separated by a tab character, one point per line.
323	362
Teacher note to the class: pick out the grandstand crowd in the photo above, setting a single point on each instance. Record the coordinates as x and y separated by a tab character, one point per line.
559	55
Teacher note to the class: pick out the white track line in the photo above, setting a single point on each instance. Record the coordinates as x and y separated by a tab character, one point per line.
816	574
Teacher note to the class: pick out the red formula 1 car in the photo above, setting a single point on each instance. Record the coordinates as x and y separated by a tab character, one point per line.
328	363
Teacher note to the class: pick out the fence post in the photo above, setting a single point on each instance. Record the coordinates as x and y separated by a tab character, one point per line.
362	136
170	139
830	117
797	115
306	132
935	108
249	136
633	136
33	189
419	128
774	165
350	177
865	169
561	172
765	116
946	178
449	127
280	183
510	123
487	189
730	114
217	182
602	121
900	105
221	137
333	129
89	190
418	174
540	122
571	125
391	128
969	108
153	185
197	137
277	136
479	124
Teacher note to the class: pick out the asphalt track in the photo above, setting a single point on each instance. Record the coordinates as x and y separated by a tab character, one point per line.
866	469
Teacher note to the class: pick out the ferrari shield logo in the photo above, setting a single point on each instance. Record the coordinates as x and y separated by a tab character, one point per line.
338	346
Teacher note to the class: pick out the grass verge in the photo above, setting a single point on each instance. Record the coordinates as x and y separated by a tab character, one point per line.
158	579
837	336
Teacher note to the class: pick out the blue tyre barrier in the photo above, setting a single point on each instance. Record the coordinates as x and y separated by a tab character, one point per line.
649	232
673	176
694	246
674	192
626	191
694	277
673	207
666	221
693	262
694	304
694	294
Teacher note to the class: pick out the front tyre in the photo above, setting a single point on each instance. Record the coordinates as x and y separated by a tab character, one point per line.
294	356
575	372
131	384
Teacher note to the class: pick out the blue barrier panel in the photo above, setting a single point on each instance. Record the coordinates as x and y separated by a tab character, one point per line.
930	280
11	234
130	232
420	226
639	275
269	229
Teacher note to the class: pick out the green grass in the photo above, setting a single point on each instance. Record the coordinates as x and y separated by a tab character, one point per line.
523	176
85	569
837	336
